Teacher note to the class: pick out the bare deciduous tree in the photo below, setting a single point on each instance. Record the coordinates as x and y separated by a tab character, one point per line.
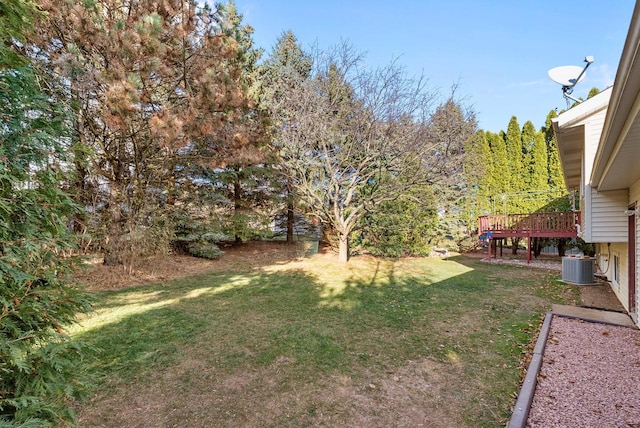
359	137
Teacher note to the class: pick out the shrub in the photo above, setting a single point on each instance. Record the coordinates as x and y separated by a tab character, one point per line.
37	359
400	227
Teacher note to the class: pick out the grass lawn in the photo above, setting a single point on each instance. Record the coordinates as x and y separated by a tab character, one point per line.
309	342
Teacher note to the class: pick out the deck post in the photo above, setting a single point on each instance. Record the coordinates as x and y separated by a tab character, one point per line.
529	249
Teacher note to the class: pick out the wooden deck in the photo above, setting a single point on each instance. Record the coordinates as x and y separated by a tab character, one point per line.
536	225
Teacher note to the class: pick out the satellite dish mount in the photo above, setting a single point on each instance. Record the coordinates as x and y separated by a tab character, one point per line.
568	76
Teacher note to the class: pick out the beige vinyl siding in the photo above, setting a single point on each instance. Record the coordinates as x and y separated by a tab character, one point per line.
604	217
634	192
605	256
592	130
584	232
634	197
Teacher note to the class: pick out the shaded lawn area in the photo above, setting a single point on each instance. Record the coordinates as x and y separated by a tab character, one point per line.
415	342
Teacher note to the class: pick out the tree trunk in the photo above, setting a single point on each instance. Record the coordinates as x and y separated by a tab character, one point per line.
113	244
538	245
343	248
111	258
562	245
290	222
515	243
237	202
290	213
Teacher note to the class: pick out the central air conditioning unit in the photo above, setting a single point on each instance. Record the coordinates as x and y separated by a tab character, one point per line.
578	270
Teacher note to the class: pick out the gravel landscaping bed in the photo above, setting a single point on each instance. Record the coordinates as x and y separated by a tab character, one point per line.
590	376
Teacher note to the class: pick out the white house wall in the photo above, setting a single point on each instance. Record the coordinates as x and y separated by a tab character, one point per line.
605	253
592	133
634	197
604	218
605	258
634	193
588	197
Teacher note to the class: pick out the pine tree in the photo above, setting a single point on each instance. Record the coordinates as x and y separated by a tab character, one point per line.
283	73
243	176
16	18
156	84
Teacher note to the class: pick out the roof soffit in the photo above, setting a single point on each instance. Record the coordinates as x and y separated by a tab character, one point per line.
619	137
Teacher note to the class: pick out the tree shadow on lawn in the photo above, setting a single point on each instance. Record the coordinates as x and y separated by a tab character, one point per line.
416	342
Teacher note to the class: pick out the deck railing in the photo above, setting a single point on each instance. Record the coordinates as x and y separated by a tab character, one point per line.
541	224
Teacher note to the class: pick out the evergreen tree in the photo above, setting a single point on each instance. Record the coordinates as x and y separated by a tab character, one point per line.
406	226
535	162
284	70
527	138
539	167
242	180
16	18
157	84
517	177
593	92
251	199
38	361
454	125
480	172
501	178
556	177
283	73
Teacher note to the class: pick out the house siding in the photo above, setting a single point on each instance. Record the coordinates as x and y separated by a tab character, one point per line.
634	193
605	258
605	253
592	131
605	220
589	230
634	197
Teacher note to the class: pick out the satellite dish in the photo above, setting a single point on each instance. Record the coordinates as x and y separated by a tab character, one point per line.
567	75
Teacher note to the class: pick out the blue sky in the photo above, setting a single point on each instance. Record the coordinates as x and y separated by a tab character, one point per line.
498	51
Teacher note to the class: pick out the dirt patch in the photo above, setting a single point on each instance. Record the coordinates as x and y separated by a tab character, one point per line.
600	296
243	257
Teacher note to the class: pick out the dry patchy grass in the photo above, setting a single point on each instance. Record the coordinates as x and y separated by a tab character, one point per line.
265	338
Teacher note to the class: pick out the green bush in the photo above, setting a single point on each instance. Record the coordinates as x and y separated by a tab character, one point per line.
198	238
399	227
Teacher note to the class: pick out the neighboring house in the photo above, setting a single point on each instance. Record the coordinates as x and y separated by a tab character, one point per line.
599	145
